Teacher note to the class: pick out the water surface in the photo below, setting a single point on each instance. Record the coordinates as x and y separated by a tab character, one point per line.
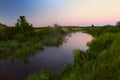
52	59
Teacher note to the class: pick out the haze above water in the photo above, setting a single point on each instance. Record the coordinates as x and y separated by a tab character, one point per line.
52	59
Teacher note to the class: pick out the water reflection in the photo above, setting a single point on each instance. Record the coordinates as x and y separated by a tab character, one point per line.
51	59
77	40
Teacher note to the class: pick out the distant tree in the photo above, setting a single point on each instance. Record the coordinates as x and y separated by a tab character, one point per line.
2	31
3	25
46	30
56	25
92	25
108	25
23	27
118	24
9	32
58	29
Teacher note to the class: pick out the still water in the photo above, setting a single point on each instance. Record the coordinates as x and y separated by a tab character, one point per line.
52	59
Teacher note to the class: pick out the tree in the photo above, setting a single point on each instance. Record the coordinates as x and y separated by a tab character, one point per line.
58	29
2	31
118	24
23	27
92	25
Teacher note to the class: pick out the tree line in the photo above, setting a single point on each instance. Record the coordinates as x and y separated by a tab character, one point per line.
23	29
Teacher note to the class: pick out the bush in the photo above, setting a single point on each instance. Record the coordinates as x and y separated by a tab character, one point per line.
19	37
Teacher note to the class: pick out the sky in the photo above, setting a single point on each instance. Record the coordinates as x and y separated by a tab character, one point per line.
64	12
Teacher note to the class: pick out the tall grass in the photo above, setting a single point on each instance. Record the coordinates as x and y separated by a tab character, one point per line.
21	46
100	62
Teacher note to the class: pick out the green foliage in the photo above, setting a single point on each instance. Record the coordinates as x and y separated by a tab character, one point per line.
100	62
97	31
118	24
23	40
79	57
2	32
100	43
19	49
19	37
42	75
58	29
52	40
23	27
44	31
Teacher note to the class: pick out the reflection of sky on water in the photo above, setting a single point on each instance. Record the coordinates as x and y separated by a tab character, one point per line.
79	40
51	59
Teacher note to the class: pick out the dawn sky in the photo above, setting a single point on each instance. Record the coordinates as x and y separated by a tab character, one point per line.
63	12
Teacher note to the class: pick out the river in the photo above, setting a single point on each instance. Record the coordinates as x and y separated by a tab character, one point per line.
52	59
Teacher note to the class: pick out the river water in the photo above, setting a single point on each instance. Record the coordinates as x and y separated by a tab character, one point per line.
52	59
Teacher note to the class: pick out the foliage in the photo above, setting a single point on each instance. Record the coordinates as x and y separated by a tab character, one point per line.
23	27
19	37
22	40
2	31
118	24
100	62
96	31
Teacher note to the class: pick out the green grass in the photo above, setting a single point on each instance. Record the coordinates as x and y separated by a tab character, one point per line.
20	46
100	62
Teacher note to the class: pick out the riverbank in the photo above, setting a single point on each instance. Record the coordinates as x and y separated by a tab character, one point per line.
100	62
22	41
19	48
51	59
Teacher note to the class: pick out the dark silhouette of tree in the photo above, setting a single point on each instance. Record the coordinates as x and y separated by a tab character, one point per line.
118	24
92	25
23	27
58	29
2	31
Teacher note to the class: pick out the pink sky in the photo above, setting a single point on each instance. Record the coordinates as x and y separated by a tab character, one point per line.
65	12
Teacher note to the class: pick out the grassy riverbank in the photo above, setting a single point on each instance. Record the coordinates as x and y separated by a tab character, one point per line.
22	40
100	62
